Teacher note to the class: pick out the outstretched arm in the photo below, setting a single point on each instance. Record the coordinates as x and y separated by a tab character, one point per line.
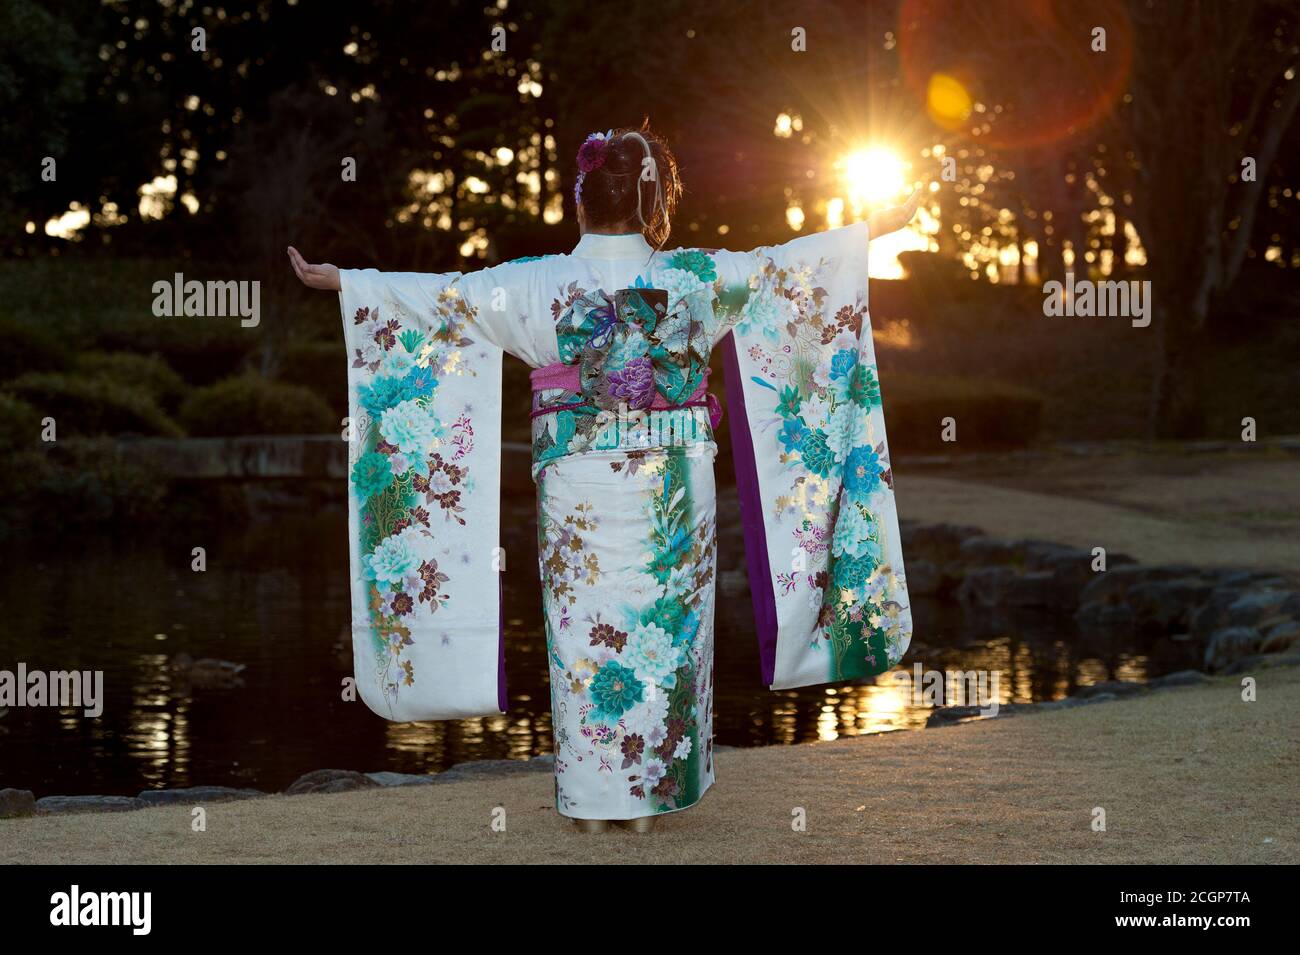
324	276
504	305
891	220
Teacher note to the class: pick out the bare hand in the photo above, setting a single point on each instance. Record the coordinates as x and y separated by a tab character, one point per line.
891	220
323	276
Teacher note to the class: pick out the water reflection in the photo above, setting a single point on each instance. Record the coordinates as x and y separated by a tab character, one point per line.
275	597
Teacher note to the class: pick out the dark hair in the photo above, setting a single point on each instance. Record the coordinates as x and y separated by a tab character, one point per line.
610	193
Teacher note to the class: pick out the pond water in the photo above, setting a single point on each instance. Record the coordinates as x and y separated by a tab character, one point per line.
275	597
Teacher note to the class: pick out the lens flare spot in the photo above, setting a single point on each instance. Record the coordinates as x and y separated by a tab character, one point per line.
947	101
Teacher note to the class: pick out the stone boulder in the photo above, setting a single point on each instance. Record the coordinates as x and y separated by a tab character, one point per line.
985	586
979	553
1038	588
15	803
400	779
195	795
1178	678
1230	644
330	781
1227	606
947	715
1101	617
1164	606
1257	608
1234	577
938	543
923	578
1044	555
1112	585
1213	614
1261	661
1070	566
1113	688
1282	637
51	805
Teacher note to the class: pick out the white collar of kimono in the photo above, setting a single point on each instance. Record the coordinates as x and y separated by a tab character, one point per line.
630	245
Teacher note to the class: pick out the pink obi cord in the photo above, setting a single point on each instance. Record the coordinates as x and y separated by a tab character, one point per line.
566	378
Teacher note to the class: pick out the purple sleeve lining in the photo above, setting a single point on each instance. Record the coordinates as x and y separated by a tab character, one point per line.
503	699
751	513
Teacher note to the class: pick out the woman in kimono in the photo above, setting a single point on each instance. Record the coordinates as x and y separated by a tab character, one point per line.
619	335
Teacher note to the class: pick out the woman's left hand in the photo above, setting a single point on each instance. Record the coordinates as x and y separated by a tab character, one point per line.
891	220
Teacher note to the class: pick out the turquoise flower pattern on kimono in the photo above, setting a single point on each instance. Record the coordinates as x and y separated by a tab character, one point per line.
692	283
371	475
653	654
614	690
395	559
762	314
854	532
824	395
406	471
642	690
411	427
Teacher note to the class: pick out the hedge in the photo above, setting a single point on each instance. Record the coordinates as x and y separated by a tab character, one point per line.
82	405
25	347
20	425
320	366
147	373
251	405
202	350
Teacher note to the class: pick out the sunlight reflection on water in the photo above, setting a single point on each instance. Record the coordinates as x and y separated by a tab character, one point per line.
276	599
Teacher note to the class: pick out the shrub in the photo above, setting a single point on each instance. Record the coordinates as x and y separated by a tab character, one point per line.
253	405
320	366
990	415
146	373
19	424
88	406
935	273
25	347
23	473
92	482
202	350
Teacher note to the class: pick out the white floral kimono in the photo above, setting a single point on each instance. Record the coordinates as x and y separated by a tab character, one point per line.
620	337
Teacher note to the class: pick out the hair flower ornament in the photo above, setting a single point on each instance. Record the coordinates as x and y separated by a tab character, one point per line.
591	156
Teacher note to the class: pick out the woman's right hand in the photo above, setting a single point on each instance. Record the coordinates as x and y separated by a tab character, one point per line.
323	276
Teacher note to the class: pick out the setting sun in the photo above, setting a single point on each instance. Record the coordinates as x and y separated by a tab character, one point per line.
874	175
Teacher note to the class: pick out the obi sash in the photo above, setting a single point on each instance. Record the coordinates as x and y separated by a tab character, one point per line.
567	378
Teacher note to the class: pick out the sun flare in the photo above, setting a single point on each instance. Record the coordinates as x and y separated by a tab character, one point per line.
874	175
870	178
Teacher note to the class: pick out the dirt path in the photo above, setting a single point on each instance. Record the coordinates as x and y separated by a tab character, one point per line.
1222	509
1183	775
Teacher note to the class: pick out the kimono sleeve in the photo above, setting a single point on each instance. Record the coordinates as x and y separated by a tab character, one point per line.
424	491
507	302
812	466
